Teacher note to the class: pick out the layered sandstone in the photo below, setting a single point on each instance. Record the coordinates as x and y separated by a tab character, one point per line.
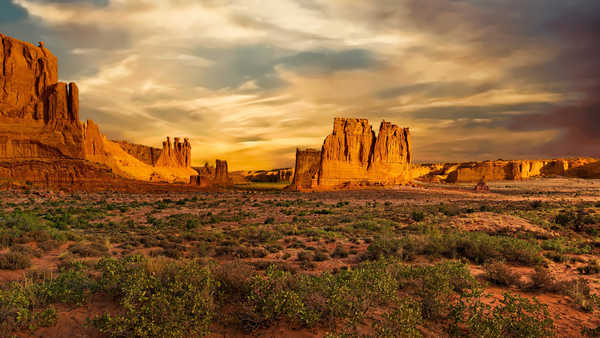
146	154
353	155
43	141
175	155
280	175
308	162
500	170
41	138
208	176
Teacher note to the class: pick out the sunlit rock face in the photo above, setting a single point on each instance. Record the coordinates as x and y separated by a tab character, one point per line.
43	141
209	176
522	169
352	155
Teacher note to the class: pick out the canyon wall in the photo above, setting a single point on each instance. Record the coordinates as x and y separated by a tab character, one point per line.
308	162
146	154
352	155
43	141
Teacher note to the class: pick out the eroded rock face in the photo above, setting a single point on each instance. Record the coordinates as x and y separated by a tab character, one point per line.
352	155
208	175
500	170
146	154
175	155
39	117
308	162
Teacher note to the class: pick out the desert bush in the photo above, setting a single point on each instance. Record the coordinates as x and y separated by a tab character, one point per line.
514	316
401	321
581	293
320	256
160	297
417	216
26	304
499	273
14	261
92	249
383	247
234	281
339	252
543	280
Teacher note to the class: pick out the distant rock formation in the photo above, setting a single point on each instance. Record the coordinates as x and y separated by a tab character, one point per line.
208	175
500	170
281	175
176	155
146	154
308	162
352	155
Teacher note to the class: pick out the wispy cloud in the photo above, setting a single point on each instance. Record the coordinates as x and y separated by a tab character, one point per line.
248	80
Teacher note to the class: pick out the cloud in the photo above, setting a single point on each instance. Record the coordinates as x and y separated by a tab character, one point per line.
250	80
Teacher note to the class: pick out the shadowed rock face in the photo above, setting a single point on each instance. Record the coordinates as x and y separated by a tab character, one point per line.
353	155
308	162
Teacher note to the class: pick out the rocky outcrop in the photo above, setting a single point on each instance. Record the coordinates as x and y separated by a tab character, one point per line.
146	154
501	170
281	175
352	155
308	162
176	155
208	175
41	138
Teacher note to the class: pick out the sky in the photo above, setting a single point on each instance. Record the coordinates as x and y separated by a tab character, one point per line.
250	80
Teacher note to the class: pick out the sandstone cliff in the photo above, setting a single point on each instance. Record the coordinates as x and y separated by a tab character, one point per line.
146	154
43	141
208	176
308	162
352	155
282	175
500	170
176	155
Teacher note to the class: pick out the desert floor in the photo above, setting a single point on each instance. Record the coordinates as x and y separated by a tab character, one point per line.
425	260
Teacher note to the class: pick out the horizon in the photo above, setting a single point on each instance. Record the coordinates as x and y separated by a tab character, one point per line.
250	82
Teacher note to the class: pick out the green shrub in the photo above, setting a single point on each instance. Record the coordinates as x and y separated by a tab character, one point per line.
417	216
401	321
514	316
161	298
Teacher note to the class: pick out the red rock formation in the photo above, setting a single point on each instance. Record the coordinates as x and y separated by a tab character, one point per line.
282	175
520	169
308	162
221	172
176	155
207	175
41	138
353	156
146	154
